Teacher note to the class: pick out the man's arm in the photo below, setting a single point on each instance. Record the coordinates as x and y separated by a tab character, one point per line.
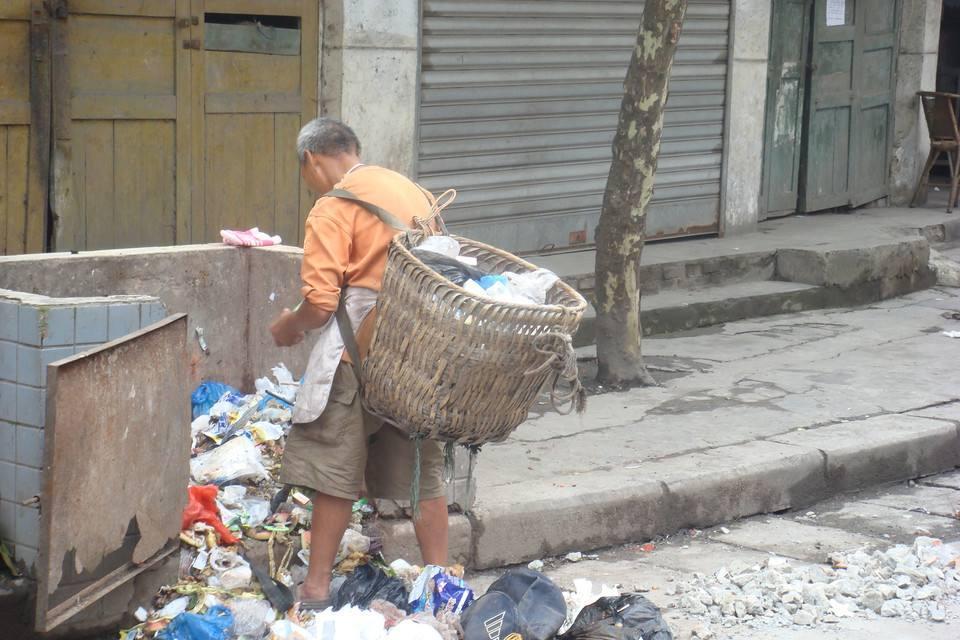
326	253
291	327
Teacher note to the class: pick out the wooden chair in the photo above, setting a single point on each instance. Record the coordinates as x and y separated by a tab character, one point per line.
940	111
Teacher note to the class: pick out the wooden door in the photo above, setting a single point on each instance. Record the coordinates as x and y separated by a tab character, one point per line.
873	105
256	73
121	129
24	127
849	110
786	84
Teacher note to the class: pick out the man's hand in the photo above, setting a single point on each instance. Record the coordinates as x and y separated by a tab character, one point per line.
285	330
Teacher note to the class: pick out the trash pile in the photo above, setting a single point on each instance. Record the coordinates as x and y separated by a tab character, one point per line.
907	581
245	546
442	254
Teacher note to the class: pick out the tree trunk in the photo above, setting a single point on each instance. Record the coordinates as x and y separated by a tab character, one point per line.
620	233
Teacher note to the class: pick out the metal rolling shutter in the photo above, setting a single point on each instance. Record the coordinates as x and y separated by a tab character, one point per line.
519	103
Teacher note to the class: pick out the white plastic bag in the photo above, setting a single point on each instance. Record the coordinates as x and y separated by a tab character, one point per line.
237	459
251	617
349	623
532	286
441	244
255	511
410	630
286	630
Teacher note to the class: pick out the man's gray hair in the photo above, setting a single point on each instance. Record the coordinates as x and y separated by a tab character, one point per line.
326	137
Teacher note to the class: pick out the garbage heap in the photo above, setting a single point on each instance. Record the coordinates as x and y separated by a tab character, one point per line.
245	546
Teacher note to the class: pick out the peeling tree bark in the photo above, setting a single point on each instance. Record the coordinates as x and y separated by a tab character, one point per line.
620	233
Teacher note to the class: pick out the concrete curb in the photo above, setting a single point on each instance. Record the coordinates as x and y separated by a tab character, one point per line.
699	489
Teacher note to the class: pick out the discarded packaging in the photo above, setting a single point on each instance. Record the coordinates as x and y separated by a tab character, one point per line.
237	459
627	617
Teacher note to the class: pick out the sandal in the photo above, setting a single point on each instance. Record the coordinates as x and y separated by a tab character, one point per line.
315	605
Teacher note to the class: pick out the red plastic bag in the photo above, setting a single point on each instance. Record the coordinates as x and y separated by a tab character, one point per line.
202	507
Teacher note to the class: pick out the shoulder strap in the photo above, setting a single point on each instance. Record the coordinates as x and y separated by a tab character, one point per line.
349	339
343	320
385	216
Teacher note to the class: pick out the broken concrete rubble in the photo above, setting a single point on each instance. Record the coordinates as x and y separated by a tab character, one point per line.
908	581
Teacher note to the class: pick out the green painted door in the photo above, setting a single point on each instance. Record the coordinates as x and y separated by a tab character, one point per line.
849	103
786	84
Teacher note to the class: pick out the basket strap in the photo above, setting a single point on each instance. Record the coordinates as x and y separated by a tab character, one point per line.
385	216
349	340
343	320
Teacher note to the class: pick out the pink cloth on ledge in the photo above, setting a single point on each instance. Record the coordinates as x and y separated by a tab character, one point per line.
249	238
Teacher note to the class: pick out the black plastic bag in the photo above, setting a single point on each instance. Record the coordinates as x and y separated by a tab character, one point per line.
366	584
627	617
450	268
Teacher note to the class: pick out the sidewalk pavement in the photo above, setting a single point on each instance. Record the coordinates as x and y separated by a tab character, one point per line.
755	416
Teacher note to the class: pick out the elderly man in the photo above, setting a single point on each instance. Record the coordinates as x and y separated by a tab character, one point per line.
335	447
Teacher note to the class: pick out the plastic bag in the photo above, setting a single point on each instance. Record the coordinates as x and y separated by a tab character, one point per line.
410	630
202	507
237	459
450	268
349	623
213	625
366	584
206	395
444	245
251	617
287	630
230	571
255	511
582	596
627	617
352	542
533	286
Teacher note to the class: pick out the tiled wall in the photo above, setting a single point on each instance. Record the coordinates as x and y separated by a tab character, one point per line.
34	332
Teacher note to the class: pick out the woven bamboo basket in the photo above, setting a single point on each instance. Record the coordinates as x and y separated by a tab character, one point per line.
446	364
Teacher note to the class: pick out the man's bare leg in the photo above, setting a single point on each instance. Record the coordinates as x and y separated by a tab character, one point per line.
330	519
431	531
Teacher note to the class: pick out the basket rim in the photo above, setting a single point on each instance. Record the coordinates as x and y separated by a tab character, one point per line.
573	293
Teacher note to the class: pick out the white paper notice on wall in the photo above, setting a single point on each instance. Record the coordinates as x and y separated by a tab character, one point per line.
836	13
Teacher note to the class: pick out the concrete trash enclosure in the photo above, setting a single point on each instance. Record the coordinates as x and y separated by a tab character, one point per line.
126	322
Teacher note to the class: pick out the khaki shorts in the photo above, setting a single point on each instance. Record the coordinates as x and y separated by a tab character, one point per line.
334	453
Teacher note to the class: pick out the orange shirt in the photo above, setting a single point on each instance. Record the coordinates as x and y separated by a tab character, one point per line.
346	245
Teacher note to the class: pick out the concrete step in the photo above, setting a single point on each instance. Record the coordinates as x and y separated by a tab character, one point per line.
684	309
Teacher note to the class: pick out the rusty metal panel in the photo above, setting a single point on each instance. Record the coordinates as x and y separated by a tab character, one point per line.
116	466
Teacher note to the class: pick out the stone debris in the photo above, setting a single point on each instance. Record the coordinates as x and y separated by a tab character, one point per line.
903	581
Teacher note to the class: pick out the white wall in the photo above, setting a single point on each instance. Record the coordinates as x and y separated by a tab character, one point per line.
368	75
746	99
916	71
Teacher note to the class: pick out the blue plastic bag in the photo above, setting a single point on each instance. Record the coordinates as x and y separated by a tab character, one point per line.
206	395
488	281
213	625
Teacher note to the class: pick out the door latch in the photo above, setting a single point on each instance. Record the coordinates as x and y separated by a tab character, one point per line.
192	44
184	23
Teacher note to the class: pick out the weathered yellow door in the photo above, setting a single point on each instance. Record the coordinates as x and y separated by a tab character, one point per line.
121	124
23	131
255	69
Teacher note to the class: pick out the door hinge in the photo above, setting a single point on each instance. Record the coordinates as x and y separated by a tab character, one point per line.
56	9
184	23
191	44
